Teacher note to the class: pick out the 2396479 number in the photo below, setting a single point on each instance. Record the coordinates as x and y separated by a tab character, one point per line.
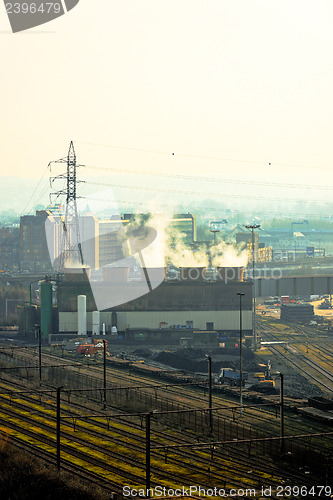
303	491
33	8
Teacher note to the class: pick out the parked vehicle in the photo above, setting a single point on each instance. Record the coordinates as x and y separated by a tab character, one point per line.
91	349
232	377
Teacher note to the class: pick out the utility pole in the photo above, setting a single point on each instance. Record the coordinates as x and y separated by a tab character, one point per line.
104	372
148	416
210	406
281	414
240	294
39	353
58	427
216	227
253	227
71	251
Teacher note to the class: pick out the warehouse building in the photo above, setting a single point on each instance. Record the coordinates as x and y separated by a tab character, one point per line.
188	304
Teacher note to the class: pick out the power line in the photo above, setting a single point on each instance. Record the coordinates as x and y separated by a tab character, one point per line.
208	194
268	163
213	179
34	191
207	208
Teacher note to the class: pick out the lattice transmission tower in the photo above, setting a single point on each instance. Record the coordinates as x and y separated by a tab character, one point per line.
70	255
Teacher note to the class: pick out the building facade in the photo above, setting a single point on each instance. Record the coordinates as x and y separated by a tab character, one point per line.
103	242
195	306
34	251
186	225
9	248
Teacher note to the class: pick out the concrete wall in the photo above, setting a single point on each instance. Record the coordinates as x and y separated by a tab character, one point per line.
222	320
188	296
300	285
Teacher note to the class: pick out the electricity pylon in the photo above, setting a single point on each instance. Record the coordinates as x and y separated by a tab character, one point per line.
70	250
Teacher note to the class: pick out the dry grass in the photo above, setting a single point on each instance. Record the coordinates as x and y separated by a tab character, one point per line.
25	478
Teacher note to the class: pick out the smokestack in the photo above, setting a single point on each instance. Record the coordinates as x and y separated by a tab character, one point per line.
96	323
82	315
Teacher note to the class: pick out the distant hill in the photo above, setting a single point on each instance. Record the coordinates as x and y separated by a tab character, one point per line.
123	193
23	194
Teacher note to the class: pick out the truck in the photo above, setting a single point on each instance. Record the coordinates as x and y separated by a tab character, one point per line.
265	382
91	349
232	377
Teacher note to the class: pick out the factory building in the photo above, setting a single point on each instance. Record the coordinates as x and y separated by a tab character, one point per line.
189	304
184	224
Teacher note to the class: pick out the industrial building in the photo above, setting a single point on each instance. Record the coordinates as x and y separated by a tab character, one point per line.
110	250
186	224
95	257
170	311
101	240
262	253
188	304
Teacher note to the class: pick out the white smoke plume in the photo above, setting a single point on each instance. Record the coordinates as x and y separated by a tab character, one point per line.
228	255
169	247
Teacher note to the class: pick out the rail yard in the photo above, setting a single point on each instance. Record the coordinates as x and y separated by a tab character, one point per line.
103	430
307	350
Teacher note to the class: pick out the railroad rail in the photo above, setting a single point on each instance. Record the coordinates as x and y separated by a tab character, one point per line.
94	447
310	368
159	395
230	464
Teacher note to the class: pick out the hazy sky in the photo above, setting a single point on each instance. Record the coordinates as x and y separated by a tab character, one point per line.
235	89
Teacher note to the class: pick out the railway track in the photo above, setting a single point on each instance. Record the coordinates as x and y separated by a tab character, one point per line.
182	397
230	464
308	367
234	471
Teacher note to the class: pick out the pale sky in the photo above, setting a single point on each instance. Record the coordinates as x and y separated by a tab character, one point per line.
228	86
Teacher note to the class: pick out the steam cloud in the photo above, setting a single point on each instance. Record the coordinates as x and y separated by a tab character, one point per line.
169	247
